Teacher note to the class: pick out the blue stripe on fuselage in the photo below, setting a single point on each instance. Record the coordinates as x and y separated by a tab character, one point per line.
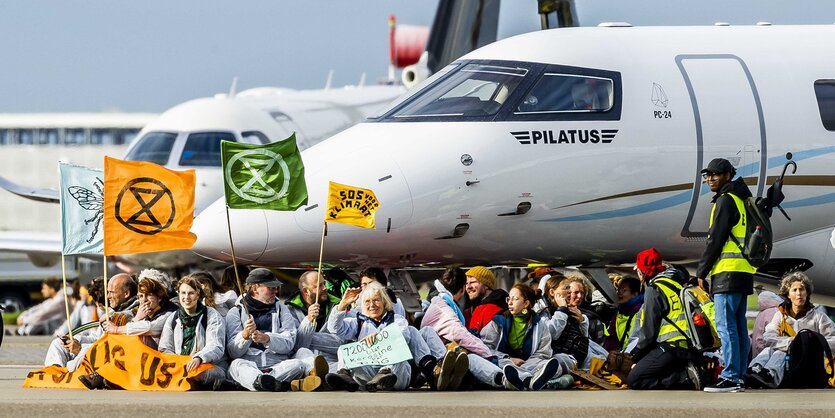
684	197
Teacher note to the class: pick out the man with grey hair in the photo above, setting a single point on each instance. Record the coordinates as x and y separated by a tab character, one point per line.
261	341
121	293
312	316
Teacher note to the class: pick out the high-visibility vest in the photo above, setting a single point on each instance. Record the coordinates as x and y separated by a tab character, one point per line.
669	333
731	259
623	327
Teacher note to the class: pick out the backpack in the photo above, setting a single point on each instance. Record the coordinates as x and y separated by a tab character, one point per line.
698	307
758	235
808	356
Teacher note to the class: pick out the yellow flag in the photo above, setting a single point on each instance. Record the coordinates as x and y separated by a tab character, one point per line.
146	207
351	205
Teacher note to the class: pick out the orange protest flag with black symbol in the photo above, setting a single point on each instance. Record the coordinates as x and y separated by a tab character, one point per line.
147	207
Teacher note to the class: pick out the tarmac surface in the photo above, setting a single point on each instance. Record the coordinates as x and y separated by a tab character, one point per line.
19	355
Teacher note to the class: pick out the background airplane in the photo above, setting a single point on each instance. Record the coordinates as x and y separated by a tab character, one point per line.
582	153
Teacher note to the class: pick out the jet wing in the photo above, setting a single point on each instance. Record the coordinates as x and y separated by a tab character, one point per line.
40	195
43	249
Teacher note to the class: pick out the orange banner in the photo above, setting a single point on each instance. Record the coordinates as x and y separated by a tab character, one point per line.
147	207
124	361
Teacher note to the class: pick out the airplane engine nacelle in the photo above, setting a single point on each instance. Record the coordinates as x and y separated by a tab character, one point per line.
415	73
43	259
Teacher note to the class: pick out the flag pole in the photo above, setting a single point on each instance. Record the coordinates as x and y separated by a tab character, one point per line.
66	298
106	299
321	251
235	264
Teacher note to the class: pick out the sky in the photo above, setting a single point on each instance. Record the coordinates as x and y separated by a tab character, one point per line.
149	55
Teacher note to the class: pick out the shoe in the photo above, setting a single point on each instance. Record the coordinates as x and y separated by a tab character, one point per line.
462	367
510	378
760	379
320	369
307	384
92	381
545	373
342	380
724	385
444	370
424	373
264	383
383	380
563	382
694	376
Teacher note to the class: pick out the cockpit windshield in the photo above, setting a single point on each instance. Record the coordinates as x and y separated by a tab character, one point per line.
202	149
568	93
474	90
154	147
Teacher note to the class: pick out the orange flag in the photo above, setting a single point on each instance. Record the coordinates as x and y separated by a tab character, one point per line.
146	207
125	361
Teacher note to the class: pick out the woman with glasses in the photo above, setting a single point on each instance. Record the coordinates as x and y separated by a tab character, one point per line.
522	342
376	314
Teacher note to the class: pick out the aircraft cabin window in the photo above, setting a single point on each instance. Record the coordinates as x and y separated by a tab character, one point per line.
413	91
473	91
203	149
154	147
825	93
254	137
568	93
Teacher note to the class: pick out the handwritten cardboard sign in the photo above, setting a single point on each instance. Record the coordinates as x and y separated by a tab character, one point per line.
389	348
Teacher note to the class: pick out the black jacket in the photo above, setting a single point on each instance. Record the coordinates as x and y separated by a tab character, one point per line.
656	307
724	218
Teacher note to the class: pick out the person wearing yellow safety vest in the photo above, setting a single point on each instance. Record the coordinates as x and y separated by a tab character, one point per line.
731	276
662	359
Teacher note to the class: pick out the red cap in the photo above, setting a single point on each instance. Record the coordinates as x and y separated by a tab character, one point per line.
649	262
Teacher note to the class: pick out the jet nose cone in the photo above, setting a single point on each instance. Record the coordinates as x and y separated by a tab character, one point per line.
249	233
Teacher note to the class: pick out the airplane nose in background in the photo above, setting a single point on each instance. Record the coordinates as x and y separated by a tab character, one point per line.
249	233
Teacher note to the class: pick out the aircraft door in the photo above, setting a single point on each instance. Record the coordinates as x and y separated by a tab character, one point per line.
728	123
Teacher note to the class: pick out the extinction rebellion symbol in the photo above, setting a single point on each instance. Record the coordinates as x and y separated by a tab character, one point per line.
148	205
258	163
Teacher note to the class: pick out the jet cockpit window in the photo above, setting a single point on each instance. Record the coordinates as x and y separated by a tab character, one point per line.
825	93
476	90
154	147
568	93
414	91
203	149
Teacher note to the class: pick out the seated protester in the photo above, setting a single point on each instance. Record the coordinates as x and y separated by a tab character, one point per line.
197	331
486	300
121	294
45	317
228	280
797	313
426	349
150	315
522	342
445	317
579	295
221	298
374	274
629	302
262	346
312	317
536	280
768	303
83	310
377	313
662	356
566	324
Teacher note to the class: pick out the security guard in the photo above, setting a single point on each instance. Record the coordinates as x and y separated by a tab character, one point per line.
662	356
731	276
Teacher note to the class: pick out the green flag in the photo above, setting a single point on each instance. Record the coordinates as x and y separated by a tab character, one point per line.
264	176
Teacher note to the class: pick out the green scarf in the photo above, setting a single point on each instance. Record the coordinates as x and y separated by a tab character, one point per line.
516	339
189	324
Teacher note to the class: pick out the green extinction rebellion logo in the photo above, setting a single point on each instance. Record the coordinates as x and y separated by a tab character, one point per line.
252	170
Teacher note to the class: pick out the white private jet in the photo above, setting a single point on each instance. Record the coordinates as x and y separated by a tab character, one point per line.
188	136
576	146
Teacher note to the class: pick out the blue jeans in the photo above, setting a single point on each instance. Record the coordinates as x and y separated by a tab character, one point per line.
732	327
